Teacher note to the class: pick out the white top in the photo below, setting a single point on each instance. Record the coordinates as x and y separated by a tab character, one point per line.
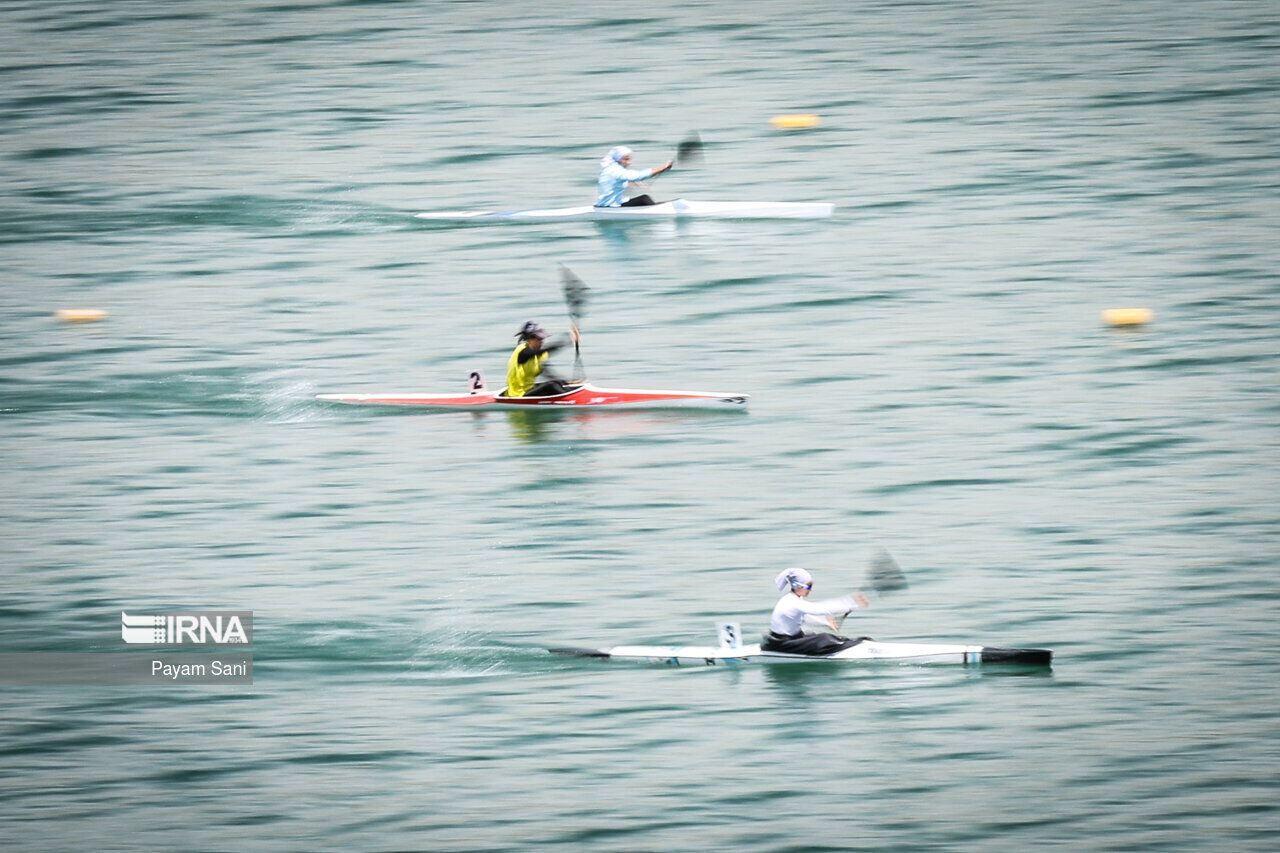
789	612
613	181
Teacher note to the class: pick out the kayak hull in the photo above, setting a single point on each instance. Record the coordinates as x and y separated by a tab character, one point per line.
677	209
584	397
867	651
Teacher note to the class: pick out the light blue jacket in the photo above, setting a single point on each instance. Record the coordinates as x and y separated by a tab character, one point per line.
613	183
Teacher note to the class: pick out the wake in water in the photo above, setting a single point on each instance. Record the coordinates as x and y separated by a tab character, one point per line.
386	652
279	399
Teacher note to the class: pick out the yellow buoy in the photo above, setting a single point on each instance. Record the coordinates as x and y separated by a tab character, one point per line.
80	315
795	122
1126	316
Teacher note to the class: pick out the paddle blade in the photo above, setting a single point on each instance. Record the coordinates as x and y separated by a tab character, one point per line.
575	292
690	151
884	574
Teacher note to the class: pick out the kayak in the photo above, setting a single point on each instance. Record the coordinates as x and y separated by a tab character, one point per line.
867	650
585	396
864	652
677	209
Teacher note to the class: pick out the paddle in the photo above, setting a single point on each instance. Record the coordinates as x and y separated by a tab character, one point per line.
575	299
689	151
884	575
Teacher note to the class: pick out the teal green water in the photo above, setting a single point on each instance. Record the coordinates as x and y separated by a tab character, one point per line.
233	183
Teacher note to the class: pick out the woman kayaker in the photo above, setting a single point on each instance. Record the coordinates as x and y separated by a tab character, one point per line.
526	364
616	173
785	633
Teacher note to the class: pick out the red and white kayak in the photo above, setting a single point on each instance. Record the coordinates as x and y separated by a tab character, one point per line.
585	396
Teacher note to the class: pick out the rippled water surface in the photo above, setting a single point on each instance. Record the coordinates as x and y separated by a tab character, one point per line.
234	183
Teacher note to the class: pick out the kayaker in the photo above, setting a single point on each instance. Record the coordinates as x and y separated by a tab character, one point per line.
526	364
616	173
785	633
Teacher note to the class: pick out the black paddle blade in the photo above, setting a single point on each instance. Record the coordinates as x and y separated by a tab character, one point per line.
575	292
690	151
884	575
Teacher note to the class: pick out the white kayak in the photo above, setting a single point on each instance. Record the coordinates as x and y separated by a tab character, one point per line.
730	651
677	209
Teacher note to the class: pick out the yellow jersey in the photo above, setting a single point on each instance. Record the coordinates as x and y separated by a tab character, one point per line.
522	377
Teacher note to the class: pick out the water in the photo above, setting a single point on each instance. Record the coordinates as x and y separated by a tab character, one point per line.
232	181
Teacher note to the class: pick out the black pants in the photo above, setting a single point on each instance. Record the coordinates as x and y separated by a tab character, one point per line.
806	644
551	388
638	201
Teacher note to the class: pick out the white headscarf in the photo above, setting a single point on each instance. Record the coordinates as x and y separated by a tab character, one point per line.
615	155
792	578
